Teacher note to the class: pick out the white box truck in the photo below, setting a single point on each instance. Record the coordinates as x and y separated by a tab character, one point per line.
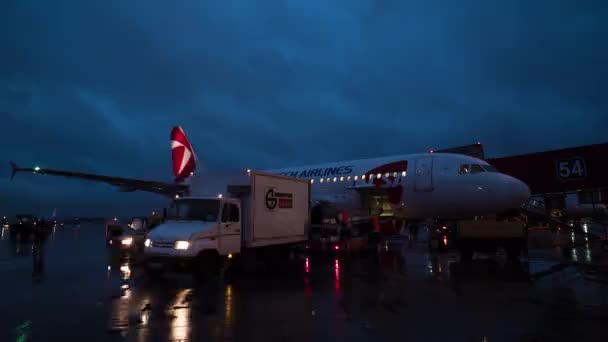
258	217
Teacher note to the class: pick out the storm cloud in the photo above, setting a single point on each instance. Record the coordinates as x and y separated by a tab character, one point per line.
95	86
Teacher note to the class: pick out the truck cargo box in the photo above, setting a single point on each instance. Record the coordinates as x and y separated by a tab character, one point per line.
277	210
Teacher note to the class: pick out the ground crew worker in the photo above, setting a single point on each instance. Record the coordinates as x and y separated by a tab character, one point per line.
347	224
414	231
40	236
344	230
374	237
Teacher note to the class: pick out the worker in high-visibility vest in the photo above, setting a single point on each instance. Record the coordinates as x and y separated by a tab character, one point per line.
346	219
376	220
375	224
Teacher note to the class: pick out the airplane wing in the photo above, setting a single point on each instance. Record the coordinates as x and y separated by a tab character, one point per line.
124	184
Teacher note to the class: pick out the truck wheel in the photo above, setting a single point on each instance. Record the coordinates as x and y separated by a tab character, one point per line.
433	244
466	254
249	261
513	253
207	266
154	274
14	235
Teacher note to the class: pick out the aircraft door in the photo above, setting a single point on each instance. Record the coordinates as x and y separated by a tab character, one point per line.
424	174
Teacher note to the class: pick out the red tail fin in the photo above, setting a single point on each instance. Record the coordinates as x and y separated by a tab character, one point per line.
184	158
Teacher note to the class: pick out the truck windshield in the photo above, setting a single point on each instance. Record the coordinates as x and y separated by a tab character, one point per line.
194	210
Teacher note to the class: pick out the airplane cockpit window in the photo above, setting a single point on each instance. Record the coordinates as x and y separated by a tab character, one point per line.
464	168
476	168
490	168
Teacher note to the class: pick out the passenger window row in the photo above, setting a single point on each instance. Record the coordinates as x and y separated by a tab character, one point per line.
356	178
476	168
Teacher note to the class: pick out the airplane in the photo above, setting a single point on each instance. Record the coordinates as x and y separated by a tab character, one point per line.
414	186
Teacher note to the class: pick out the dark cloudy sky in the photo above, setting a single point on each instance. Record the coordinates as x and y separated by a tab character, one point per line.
96	85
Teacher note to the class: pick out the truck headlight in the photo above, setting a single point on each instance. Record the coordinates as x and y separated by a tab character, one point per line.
126	241
182	244
147	243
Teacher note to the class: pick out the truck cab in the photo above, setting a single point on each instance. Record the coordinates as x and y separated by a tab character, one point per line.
195	226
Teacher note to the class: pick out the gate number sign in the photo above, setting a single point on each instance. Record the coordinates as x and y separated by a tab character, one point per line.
573	168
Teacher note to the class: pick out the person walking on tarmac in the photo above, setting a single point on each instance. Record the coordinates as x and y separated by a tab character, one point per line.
346	225
414	231
40	236
374	238
344	233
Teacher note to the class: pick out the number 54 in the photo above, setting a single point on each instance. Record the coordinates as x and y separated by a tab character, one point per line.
570	168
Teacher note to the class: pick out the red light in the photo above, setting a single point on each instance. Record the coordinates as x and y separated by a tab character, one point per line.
337	276
336	247
444	227
445	240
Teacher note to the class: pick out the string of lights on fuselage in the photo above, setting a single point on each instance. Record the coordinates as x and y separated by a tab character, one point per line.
355	178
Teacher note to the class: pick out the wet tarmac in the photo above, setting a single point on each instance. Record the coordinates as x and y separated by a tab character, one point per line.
405	292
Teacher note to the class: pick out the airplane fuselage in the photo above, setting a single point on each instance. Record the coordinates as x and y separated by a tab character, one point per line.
431	185
416	186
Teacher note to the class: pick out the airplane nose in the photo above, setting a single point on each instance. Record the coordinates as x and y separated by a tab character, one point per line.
515	193
520	190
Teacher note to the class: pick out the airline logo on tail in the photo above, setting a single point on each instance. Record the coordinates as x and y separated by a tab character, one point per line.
184	158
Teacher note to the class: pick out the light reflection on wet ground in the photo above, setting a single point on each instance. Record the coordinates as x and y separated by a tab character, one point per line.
404	293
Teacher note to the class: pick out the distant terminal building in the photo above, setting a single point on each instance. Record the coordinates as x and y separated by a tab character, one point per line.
570	169
569	182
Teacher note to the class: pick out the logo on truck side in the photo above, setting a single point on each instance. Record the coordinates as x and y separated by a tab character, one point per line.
281	199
